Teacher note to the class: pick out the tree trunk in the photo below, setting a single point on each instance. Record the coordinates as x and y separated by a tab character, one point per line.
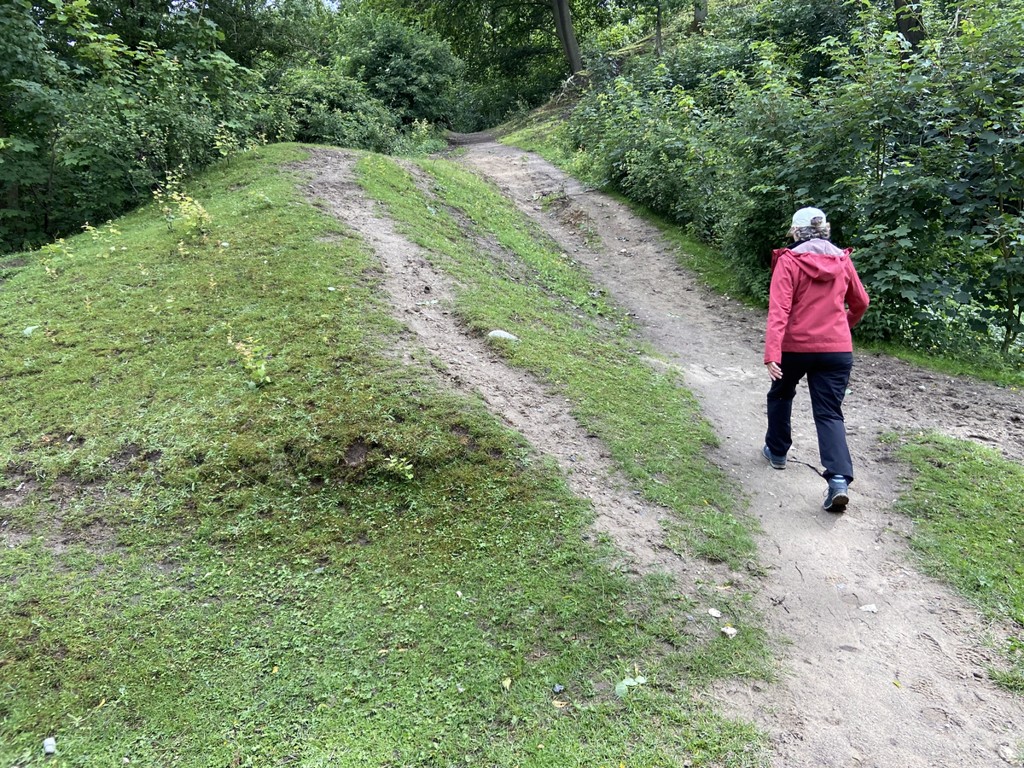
1014	315
13	188
909	22
566	34
700	15
13	196
658	47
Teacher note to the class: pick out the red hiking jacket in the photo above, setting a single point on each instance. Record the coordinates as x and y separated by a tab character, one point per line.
816	298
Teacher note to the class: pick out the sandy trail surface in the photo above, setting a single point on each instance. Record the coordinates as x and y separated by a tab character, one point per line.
881	666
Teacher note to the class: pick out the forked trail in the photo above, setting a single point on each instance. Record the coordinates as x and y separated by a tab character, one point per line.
903	685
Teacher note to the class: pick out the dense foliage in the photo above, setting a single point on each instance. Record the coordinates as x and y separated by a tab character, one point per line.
101	100
512	53
87	124
915	152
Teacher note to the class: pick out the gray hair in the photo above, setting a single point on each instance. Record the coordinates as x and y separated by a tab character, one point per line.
818	230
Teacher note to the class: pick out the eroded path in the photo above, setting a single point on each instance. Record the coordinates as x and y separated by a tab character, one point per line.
421	297
904	686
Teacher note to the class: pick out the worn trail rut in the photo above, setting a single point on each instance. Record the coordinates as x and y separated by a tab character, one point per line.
903	685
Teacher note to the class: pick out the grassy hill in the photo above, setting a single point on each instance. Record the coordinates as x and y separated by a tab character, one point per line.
237	530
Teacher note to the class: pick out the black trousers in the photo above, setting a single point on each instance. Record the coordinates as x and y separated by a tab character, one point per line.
828	375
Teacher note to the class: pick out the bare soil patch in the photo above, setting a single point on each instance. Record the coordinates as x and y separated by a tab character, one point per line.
75	509
21	487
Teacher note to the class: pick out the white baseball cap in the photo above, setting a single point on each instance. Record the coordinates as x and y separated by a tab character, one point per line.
805	217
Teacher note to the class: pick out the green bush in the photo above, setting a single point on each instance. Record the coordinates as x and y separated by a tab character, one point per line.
324	105
91	127
917	156
88	128
413	73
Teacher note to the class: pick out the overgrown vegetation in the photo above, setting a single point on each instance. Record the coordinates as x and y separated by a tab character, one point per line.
239	530
913	146
513	59
101	100
966	502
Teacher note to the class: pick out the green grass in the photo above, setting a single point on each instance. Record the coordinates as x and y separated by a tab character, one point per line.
540	131
344	565
966	501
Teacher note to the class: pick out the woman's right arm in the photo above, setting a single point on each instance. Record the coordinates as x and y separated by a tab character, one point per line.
780	302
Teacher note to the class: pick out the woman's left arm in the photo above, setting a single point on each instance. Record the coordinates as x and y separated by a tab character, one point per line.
857	299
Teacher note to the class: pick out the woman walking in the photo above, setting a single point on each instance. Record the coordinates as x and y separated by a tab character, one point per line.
816	298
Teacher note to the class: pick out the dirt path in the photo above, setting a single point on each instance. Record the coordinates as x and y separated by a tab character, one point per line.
903	686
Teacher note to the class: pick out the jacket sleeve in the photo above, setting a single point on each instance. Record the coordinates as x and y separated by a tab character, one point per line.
780	302
856	297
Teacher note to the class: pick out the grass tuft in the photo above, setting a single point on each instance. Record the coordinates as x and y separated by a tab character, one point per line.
966	502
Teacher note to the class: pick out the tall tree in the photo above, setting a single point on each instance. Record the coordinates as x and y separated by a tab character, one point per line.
567	35
910	22
700	15
503	35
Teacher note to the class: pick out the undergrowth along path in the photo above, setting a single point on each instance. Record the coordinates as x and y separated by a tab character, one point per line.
884	666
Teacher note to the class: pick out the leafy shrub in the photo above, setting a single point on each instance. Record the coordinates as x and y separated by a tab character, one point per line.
322	104
90	124
420	138
917	156
412	72
93	126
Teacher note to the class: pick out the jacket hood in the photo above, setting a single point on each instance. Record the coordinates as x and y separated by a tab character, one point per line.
820	260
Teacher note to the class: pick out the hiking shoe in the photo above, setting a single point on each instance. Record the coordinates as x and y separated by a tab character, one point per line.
777	462
837	496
